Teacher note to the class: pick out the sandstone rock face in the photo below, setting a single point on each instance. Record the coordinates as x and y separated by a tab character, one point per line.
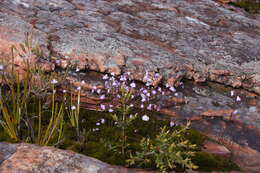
29	158
35	159
199	40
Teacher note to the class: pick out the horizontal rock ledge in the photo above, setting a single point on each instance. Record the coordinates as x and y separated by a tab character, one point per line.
200	40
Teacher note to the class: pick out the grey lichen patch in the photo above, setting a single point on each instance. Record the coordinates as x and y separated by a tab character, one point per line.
6	151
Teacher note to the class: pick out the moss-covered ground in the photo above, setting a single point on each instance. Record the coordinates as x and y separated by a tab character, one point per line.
252	6
100	139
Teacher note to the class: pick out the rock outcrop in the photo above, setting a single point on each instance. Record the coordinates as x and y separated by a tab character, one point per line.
199	40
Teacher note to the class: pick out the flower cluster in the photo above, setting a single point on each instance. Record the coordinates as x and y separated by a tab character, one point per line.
141	96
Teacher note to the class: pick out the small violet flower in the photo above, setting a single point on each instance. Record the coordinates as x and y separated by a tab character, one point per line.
54	81
1	67
98	91
149	107
105	77
78	88
102	97
145	118
103	121
172	124
172	89
232	93
238	99
103	107
132	85
73	107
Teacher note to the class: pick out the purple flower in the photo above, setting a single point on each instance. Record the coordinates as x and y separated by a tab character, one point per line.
114	83
113	74
98	91
163	93
98	123
73	107
154	92
102	97
149	107
105	77
159	89
54	81
132	85
142	106
235	111
238	99
145	118
93	89
172	124
110	110
102	120
112	78
148	84
157	75
122	78
232	93
172	89
103	107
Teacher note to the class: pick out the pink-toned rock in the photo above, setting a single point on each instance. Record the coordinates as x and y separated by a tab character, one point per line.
214	148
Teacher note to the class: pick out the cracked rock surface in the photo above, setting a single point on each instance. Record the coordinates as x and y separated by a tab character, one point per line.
199	40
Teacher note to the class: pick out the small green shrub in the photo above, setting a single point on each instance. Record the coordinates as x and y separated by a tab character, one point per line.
169	150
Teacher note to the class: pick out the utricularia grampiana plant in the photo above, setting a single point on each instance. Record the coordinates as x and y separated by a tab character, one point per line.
126	94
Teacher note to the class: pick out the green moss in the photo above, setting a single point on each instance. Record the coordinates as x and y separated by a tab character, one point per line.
211	162
251	6
195	137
